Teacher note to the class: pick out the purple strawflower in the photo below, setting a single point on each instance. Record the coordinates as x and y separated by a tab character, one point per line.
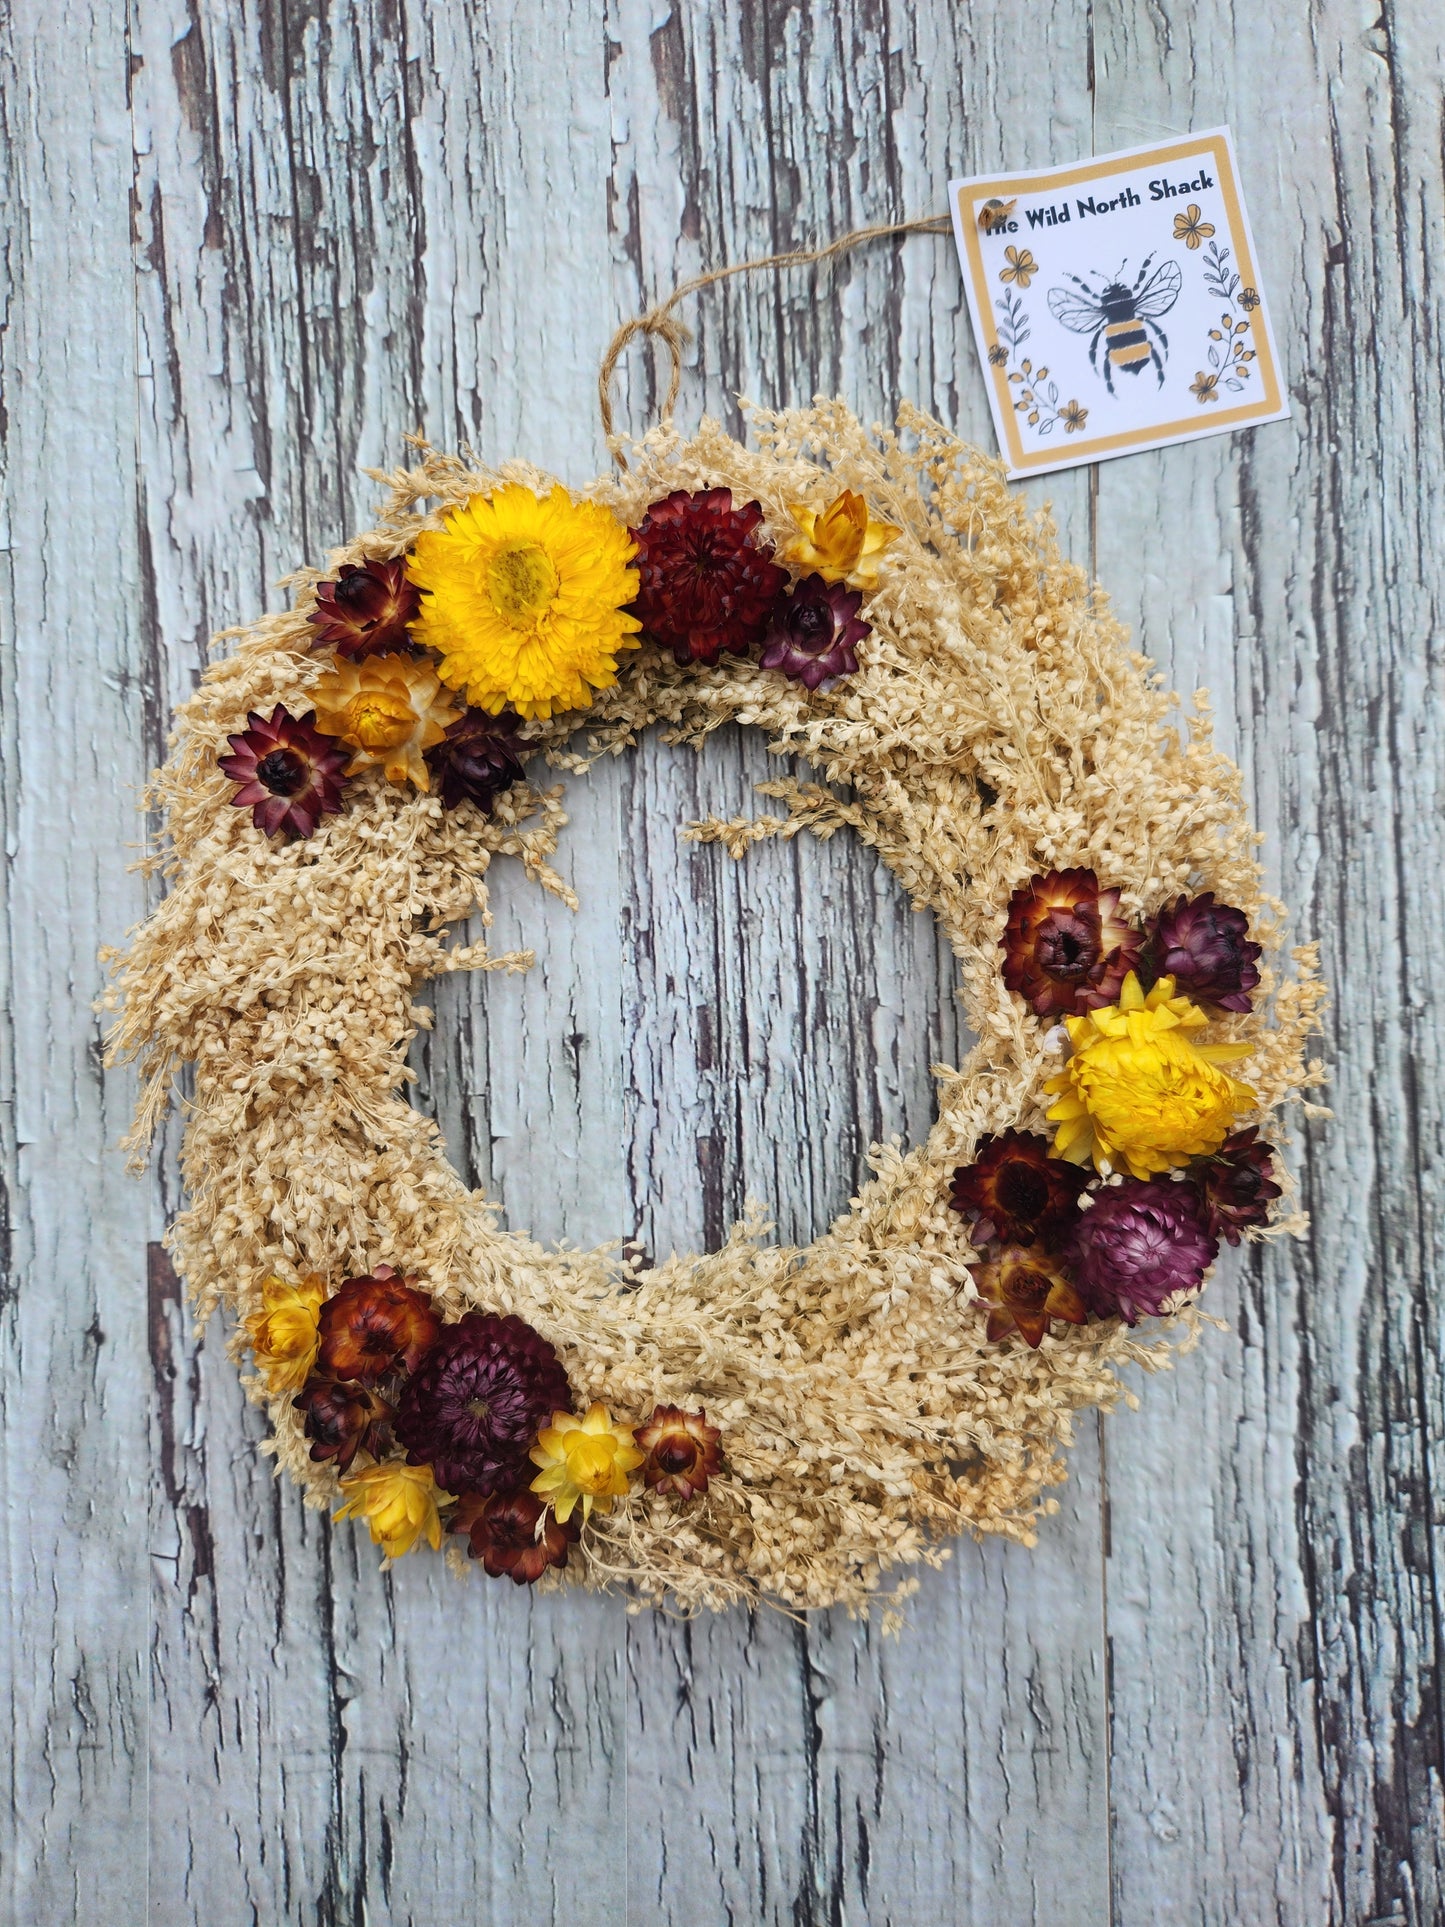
477	759
1136	1245
1204	946
1236	1186
473	1407
815	631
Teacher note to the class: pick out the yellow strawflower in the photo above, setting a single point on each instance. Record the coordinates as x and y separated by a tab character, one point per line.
389	709
525	599
842	544
399	1504
584	1458
283	1331
1138	1091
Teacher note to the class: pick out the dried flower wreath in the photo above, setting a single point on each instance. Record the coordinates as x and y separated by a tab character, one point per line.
759	1422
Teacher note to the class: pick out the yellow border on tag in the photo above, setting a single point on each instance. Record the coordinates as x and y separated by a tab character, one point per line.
972	196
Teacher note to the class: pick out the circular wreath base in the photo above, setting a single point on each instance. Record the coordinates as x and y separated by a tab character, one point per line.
998	726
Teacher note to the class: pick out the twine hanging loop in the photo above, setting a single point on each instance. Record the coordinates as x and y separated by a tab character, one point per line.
660	322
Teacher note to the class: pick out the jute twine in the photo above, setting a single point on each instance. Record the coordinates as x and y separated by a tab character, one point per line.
662	323
998	725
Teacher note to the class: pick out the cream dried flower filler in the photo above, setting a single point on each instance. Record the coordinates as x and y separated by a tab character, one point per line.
758	1423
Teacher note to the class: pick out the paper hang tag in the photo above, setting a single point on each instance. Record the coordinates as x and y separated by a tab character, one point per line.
1117	303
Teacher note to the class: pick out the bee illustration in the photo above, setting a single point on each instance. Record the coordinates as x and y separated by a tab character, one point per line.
994	213
1125	317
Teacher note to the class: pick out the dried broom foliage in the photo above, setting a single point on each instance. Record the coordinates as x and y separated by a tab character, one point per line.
998	726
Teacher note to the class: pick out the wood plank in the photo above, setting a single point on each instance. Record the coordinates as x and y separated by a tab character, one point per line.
1274	1591
352	220
73	695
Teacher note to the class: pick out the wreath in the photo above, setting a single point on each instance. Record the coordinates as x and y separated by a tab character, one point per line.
758	1422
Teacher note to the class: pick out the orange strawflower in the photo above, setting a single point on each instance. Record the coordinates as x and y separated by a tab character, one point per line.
283	1332
843	543
390	710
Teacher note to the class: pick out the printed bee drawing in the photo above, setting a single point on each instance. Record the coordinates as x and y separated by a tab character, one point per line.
1126	318
994	213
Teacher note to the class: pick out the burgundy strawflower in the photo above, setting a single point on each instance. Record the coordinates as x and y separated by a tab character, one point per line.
1067	946
706	583
514	1534
342	1418
683	1451
1023	1288
290	775
1236	1186
815	631
476	1403
1014	1191
374	1326
366	610
477	759
1136	1245
1204	946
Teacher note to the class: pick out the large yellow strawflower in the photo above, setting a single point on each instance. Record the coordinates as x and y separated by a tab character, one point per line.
283	1331
843	543
525	599
1138	1091
399	1504
389	709
584	1458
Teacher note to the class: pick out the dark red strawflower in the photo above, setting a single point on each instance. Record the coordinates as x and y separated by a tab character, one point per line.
366	611
1136	1245
1067	946
477	759
1204	946
341	1419
514	1534
477	1401
706	583
374	1326
1236	1186
683	1451
1015	1192
1024	1287
290	775
815	631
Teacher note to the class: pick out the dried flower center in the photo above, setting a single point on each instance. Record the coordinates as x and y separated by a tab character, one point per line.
509	1530
378	720
479	1408
1022	1191
589	1461
522	583
813	623
359	589
1027	1288
675	1455
287	1333
840	532
1069	943
283	772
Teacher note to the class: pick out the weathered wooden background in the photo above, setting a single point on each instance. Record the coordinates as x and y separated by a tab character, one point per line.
248	246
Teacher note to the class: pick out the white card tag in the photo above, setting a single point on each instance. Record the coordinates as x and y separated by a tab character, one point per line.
1117	303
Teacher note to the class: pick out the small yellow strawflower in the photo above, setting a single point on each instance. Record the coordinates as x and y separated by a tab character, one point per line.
842	544
283	1331
398	1502
584	1458
525	599
1138	1091
389	709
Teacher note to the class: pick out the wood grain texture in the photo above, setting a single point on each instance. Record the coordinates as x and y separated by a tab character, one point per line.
251	246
